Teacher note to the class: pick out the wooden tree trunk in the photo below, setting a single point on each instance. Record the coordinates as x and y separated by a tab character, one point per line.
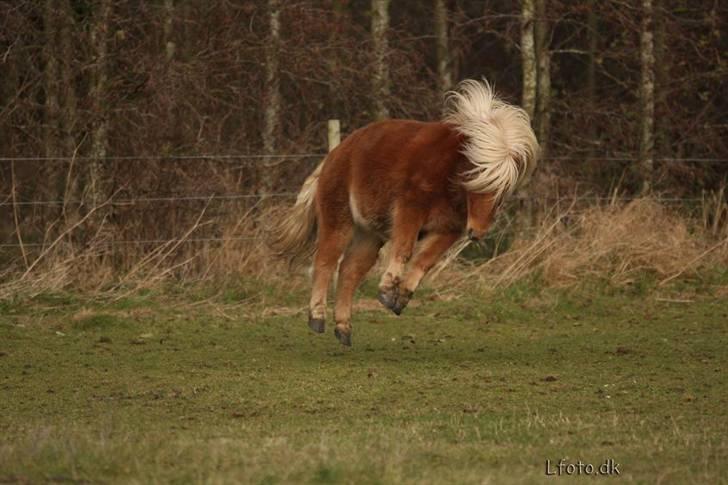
68	87
662	67
169	45
98	181
530	91
167	50
528	58
273	94
591	77
51	80
543	55
69	117
380	26
647	96
444	60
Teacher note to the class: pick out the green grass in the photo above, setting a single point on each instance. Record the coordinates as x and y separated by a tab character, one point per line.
228	387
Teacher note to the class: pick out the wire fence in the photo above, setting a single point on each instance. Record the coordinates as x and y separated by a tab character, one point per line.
234	157
169	158
8	200
124	242
243	196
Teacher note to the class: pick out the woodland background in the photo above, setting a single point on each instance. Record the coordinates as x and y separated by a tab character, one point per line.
129	124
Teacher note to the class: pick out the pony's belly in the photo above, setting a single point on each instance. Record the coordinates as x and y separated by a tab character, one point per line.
377	224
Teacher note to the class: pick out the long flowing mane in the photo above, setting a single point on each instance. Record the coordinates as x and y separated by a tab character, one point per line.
500	142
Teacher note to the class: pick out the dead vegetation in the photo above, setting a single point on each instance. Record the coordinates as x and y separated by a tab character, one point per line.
618	242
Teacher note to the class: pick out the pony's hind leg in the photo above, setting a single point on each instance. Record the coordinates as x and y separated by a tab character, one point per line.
429	252
329	247
360	256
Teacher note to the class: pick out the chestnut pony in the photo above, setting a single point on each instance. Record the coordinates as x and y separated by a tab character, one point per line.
420	185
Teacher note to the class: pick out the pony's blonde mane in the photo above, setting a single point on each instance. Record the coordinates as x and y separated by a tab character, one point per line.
499	140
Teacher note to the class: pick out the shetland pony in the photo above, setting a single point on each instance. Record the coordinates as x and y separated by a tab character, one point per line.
420	185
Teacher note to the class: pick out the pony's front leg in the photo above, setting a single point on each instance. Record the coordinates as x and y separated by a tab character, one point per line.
405	227
430	250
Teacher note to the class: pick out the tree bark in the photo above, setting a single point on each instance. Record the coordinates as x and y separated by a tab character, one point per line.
543	55
444	60
69	180
530	85
98	182
591	75
169	45
662	65
68	89
168	48
273	92
647	96
528	58
381	81
51	80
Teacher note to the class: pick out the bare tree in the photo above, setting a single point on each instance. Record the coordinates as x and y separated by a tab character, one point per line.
442	38
528	58
167	50
380	26
273	90
68	85
98	177
591	73
543	62
52	78
647	95
69	118
169	45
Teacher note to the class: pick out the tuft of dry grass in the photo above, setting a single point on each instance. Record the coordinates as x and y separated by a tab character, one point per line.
617	241
208	249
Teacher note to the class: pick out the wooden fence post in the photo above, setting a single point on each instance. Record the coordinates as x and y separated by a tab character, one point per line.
334	134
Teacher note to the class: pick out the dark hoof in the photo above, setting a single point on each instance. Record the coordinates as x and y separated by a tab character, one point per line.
387	298
398	307
400	304
317	324
344	337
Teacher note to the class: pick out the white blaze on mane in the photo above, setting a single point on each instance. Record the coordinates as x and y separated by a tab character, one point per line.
499	140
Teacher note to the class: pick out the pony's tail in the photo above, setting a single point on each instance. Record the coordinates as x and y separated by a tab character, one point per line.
294	237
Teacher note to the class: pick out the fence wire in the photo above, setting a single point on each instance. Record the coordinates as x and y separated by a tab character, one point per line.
6	200
166	158
233	157
243	196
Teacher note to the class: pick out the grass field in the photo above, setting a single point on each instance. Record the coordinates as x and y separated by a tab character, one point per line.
194	385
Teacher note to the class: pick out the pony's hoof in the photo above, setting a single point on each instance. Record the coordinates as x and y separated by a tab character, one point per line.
387	298
316	324
397	308
344	335
400	304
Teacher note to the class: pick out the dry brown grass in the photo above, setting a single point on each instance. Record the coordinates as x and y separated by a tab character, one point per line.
235	247
619	242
